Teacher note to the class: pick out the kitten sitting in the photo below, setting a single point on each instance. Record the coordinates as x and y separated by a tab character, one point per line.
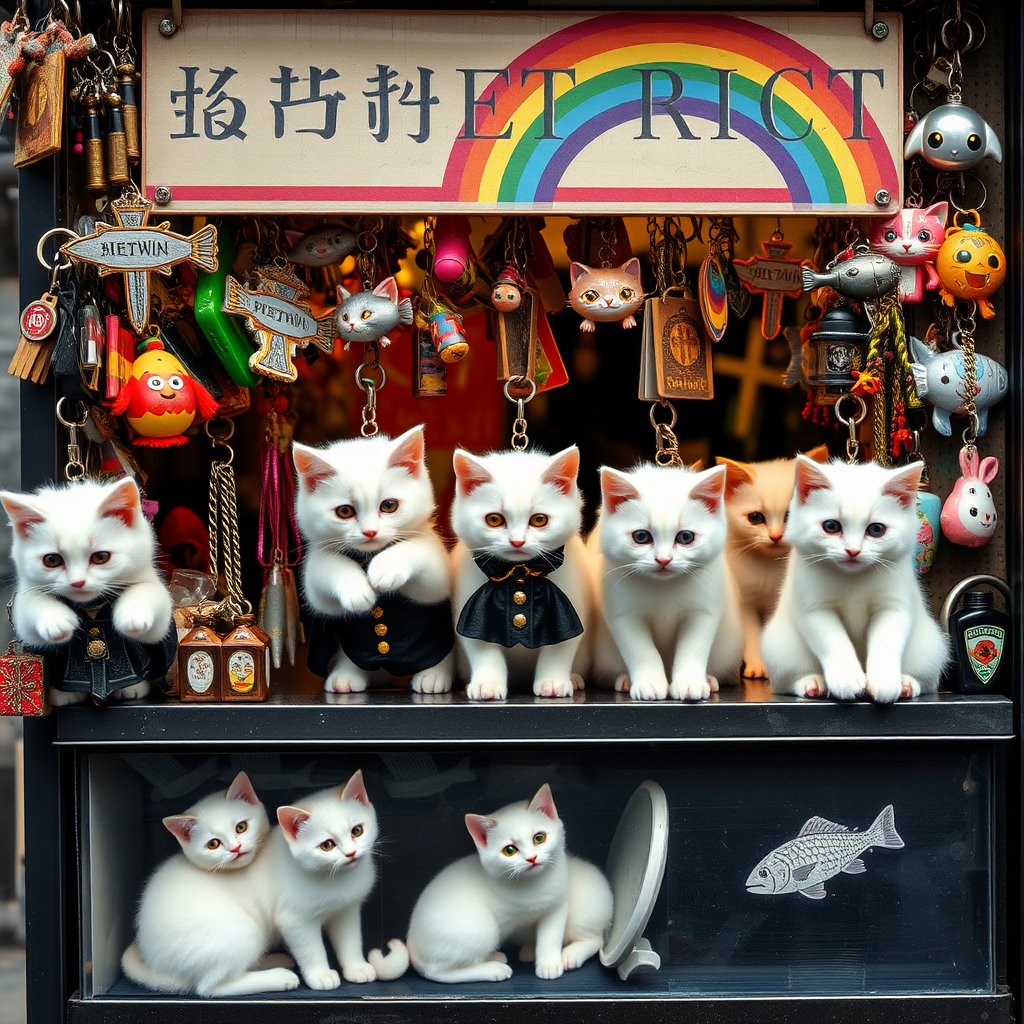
668	607
520	886
522	589
757	497
851	620
84	556
375	572
196	931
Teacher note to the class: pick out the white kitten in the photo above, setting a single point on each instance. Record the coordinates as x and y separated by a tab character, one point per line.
78	544
515	507
851	620
196	930
317	870
669	617
757	497
521	886
369	501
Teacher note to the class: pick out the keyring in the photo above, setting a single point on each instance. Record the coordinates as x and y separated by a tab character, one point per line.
517	380
58	264
671	408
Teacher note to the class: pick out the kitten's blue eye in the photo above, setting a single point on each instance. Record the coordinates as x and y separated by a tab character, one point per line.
924	236
685	537
832	526
99	557
755	518
510	850
539	838
641	537
876	529
357	831
890	235
52	560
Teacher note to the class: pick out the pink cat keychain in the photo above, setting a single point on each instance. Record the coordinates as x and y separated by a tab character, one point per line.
606	294
969	514
912	239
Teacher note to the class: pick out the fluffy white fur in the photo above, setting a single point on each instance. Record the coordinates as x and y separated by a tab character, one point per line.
520	886
197	928
669	622
519	486
103	546
344	493
319	869
757	497
851	620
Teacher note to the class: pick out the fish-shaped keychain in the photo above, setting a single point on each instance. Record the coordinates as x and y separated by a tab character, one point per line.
856	273
324	247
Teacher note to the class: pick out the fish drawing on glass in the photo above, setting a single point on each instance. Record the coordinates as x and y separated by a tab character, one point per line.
821	851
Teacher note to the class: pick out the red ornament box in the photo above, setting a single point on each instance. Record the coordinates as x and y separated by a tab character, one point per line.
22	684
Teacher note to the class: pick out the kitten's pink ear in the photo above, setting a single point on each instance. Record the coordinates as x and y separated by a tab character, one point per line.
180	826
544	802
407	451
576	271
355	789
736	475
478	828
343	295
122	502
809	478
23	514
388	289
241	789
470	472
312	469
710	488
903	484
819	454
938	210
562	470
291	819
616	488
631	267
988	470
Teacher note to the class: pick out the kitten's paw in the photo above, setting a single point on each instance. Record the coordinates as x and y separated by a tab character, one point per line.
388	572
587	327
909	688
133	619
280	979
497	957
646	689
553	687
62	698
359	974
621	684
847	684
578	682
431	681
344	682
357	597
495	970
56	625
573	956
526	954
810	686
549	969
487	690
629	321
884	687
753	668
713	683
322	980
691	689
134	692
272	960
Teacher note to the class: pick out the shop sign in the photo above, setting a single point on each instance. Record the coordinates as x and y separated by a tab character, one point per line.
643	112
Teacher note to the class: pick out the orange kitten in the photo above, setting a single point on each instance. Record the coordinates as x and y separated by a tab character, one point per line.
757	495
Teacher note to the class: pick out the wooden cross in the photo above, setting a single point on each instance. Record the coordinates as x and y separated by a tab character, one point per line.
775	277
279	320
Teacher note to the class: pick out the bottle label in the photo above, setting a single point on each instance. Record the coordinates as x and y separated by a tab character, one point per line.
984	645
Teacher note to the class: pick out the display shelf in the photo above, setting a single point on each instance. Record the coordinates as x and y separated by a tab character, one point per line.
389	716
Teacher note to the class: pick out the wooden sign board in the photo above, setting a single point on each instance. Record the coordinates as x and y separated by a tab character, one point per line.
639	112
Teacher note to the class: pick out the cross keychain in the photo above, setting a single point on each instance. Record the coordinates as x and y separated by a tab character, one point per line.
775	276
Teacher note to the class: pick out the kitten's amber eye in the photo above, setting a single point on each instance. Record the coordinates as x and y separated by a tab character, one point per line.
345	512
626	294
685	537
876	529
99	557
510	850
344	316
924	236
590	295
539	838
357	831
974	142
327	845
242	826
935	140
52	560
213	844
389	505
367	313
755	518
832	526
538	519
494	519
963	256
641	537
890	235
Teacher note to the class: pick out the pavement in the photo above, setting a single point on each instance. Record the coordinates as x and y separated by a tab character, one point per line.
12	985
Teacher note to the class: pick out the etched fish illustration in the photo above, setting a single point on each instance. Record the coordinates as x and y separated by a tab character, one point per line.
113	249
321	248
822	850
865	275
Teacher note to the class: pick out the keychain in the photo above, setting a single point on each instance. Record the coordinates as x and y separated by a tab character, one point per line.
774	275
971	264
712	284
39	320
911	239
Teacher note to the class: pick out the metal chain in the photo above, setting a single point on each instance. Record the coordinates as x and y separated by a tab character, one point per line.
225	541
964	317
851	423
370	378
75	468
520	441
666	444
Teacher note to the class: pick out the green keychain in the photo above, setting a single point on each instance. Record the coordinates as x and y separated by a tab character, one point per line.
225	334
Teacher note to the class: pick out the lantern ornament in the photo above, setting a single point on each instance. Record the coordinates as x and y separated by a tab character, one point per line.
199	663
245	662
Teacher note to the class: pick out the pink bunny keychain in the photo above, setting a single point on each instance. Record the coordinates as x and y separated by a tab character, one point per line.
969	514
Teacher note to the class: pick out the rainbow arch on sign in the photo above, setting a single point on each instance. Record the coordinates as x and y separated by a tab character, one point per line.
822	170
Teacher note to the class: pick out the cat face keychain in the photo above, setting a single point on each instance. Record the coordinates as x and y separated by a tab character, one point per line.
911	239
605	294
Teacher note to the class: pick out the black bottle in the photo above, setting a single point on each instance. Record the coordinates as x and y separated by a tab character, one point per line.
980	633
